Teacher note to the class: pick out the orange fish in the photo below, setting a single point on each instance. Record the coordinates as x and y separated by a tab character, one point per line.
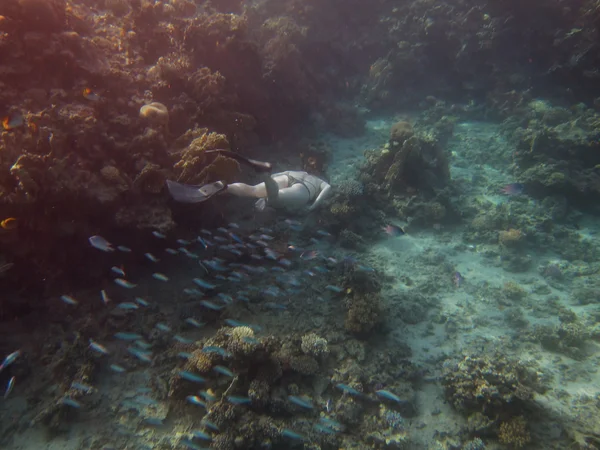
9	224
90	95
12	121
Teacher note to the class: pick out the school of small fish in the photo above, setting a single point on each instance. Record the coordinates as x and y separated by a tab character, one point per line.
228	261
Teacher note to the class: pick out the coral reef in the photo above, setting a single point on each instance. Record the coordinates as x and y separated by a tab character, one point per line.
493	386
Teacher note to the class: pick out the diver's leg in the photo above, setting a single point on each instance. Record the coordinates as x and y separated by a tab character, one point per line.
242	190
261	190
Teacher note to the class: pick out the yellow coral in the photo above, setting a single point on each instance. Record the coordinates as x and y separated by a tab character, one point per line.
113	176
222	168
510	238
241	340
155	113
193	162
514	433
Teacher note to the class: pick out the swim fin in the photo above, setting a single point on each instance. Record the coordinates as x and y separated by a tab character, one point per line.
259	166
187	193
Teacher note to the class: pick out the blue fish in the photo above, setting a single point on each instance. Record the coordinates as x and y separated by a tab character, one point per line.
237	400
292	435
142	355
159	235
209	424
183	340
160	277
218	350
300	402
348	389
224	371
163	327
127	336
82	387
236	238
124	283
202	435
189	376
101	244
118	270
211	305
207	396
140	301
202	242
98	348
70	402
151	257
69	300
117	368
9	387
226	298
203	284
194	322
128	306
193	292
195	400
154	421
388	395
332	288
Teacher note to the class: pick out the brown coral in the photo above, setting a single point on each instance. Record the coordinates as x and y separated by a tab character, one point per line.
151	179
400	132
363	313
193	162
514	433
304	364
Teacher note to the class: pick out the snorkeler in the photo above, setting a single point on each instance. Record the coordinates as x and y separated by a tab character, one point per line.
291	190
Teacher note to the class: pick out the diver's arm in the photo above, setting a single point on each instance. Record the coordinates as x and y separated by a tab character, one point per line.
325	191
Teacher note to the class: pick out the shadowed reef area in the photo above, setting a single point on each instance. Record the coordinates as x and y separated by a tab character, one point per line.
445	295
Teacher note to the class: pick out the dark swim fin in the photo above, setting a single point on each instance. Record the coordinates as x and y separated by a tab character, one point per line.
187	193
259	166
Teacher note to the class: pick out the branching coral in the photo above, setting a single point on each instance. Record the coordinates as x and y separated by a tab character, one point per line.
514	433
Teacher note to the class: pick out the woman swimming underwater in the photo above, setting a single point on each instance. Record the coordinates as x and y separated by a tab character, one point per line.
291	190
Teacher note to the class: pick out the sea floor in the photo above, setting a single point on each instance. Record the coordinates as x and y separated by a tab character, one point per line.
426	314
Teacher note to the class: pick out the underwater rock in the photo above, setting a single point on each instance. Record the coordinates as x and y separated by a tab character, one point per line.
151	179
151	216
43	15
